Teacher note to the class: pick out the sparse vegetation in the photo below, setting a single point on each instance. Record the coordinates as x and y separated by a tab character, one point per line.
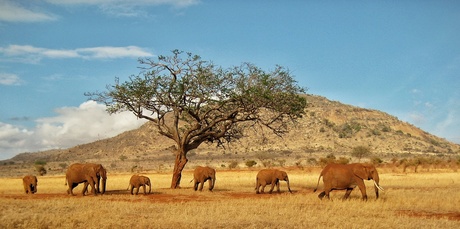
250	163
361	152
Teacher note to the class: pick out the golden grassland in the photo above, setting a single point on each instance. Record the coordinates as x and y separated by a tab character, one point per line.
410	200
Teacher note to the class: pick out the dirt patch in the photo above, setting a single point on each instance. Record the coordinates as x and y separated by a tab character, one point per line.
431	215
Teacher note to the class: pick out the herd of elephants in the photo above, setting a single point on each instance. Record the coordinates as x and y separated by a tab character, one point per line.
335	177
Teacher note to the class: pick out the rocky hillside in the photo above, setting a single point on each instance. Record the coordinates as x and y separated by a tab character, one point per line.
329	127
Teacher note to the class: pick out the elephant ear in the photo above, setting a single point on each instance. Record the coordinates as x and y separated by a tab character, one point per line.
361	171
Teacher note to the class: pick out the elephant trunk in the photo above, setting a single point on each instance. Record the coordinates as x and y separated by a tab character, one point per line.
289	187
212	183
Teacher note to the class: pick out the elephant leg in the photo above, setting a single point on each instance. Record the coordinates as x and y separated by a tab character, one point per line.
85	188
321	195
278	186
210	184
201	186
145	192
347	193
257	188
71	187
132	189
362	188
263	188
195	186
272	186
137	189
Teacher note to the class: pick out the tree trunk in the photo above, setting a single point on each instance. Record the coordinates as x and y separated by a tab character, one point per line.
179	165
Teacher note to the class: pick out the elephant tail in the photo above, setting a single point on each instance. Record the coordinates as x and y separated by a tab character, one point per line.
317	184
257	181
191	181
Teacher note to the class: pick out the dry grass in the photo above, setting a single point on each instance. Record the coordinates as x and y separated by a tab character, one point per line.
423	200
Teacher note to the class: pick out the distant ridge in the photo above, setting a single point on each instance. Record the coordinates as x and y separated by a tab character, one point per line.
327	127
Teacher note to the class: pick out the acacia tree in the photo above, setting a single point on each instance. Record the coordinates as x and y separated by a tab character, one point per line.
192	101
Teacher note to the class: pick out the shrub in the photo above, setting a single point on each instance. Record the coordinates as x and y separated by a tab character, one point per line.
343	160
376	160
360	152
233	164
250	163
41	170
40	162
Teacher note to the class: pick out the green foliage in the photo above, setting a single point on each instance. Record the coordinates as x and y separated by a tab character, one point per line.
40	162
250	163
361	151
214	100
347	130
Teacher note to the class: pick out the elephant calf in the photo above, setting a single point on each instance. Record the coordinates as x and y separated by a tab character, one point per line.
30	184
273	177
137	181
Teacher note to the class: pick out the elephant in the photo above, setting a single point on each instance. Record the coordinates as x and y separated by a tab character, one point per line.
273	177
347	177
201	175
89	174
30	184
137	181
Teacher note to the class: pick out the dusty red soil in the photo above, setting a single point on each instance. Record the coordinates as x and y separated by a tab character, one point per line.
157	197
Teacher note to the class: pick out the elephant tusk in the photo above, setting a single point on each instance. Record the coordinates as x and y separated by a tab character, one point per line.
378	186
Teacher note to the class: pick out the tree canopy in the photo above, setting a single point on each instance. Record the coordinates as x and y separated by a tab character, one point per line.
192	101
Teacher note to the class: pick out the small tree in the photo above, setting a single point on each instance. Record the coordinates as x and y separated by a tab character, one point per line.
192	101
360	152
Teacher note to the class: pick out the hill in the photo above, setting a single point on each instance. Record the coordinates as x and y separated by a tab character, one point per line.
328	127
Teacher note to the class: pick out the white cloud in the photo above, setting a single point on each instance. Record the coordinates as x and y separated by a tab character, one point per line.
176	3
123	8
113	52
31	54
71	126
13	12
9	79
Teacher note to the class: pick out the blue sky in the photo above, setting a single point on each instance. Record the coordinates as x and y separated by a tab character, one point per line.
400	57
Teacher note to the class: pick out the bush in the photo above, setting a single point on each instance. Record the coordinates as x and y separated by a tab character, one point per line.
361	151
250	163
40	169
376	160
40	162
233	164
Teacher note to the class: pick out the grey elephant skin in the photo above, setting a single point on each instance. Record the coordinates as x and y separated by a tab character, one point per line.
272	177
30	184
203	174
347	177
137	182
90	174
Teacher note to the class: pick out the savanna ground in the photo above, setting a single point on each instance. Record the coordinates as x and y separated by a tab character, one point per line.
411	200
